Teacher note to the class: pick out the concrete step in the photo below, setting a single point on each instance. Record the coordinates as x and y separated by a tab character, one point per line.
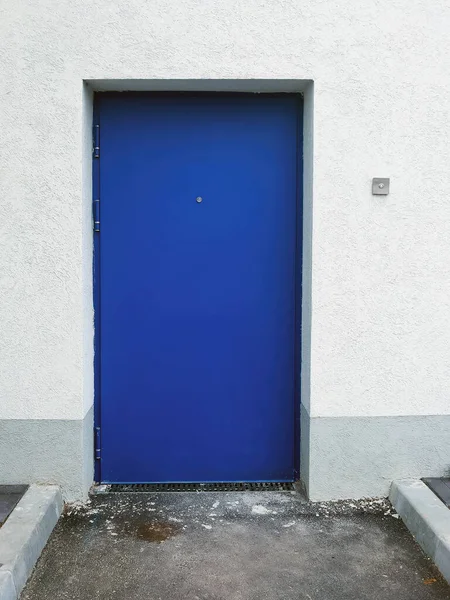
426	517
24	535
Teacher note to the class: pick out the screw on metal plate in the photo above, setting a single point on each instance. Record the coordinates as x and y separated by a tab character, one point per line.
199	199
380	186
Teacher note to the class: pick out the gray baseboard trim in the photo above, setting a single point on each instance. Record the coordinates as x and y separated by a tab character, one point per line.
48	451
359	457
24	535
341	457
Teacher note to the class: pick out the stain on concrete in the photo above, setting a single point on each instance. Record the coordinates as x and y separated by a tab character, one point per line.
156	531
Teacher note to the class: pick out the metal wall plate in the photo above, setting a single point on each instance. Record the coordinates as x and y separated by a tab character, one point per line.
380	186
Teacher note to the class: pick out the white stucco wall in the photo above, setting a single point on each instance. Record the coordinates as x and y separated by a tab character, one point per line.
380	302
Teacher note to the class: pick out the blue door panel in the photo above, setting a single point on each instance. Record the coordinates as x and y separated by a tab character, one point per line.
197	298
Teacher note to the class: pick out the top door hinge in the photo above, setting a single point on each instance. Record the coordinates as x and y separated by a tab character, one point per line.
96	141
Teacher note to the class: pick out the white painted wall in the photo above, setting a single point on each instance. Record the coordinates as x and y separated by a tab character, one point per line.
380	301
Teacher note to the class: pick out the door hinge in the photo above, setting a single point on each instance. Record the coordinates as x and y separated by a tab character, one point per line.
96	214
96	141
97	444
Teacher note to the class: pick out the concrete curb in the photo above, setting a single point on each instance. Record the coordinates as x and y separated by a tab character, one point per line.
426	517
24	535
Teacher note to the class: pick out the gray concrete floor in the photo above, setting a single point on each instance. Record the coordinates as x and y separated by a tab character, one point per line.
231	546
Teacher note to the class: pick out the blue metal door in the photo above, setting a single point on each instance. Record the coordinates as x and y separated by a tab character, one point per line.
196	310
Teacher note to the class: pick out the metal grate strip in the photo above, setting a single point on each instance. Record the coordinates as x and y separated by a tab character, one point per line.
440	486
200	487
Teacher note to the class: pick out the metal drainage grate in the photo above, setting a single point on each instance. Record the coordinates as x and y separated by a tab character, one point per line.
201	487
440	486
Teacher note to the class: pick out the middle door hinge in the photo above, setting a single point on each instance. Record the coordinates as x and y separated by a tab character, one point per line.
96	214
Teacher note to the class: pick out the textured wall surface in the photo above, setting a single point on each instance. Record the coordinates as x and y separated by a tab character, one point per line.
379	295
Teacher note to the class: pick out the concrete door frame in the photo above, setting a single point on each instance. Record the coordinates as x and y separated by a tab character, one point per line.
303	87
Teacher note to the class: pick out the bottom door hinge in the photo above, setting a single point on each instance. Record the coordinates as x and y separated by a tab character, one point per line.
97	444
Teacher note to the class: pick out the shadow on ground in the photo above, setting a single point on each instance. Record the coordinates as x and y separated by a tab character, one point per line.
231	546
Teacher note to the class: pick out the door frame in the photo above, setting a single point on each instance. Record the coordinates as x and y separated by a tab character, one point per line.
298	259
